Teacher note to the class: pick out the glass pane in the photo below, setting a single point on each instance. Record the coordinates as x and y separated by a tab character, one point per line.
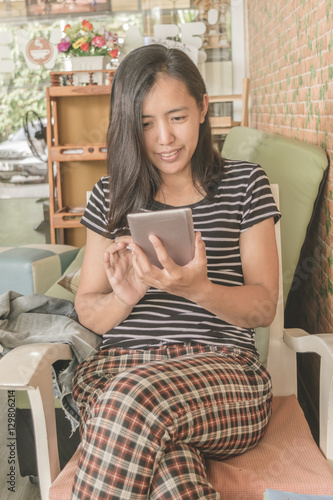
216	41
28	86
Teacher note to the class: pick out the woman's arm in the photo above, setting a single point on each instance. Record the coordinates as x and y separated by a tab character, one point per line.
253	304
108	288
248	306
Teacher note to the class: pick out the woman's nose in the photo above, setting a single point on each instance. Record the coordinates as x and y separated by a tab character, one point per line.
165	133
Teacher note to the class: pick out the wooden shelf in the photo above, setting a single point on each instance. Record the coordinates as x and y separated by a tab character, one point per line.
67	217
225	98
69	91
59	89
81	157
75	152
221	125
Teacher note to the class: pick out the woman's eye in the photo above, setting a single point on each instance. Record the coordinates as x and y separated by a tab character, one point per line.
146	125
178	118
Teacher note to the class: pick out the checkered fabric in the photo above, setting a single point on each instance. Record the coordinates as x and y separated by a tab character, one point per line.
148	416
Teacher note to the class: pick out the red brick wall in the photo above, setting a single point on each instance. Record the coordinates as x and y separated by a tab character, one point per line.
291	72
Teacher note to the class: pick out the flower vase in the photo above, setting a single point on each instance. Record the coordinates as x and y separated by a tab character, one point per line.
88	63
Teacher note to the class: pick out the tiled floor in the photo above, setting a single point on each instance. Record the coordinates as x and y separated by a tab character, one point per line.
22	218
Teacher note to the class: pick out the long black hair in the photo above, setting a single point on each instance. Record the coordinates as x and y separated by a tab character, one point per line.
134	181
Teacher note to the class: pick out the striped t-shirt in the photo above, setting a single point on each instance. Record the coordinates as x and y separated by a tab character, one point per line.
243	198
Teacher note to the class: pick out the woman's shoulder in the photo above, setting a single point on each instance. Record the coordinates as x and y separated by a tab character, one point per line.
102	186
95	216
241	171
240	167
240	177
101	191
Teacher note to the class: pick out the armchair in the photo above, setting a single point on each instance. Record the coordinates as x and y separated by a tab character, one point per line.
287	457
233	477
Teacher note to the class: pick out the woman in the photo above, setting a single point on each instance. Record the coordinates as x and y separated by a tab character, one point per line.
178	377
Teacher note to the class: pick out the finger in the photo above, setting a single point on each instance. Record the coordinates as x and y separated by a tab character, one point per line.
137	267
122	249
146	275
119	246
109	269
115	269
107	259
200	247
123	239
142	266
162	255
140	256
114	252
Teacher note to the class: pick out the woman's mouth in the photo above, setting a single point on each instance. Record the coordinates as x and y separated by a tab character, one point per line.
169	155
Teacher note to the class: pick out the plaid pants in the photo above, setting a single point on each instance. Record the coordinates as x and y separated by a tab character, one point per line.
150	416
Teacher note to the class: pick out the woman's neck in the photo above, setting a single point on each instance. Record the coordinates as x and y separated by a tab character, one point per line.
179	194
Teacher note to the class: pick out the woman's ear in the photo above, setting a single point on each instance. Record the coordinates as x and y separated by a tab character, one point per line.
204	108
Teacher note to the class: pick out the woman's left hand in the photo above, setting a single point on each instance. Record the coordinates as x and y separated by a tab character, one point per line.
174	279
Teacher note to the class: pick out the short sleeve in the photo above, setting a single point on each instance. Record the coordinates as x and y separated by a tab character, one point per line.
259	202
95	216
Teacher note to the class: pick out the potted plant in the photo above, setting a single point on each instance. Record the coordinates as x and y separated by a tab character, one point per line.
88	49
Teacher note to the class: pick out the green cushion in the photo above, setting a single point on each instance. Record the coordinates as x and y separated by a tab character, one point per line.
57	290
28	269
262	343
299	169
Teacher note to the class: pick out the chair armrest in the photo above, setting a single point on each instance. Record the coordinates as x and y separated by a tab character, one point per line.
322	344
302	341
23	367
29	367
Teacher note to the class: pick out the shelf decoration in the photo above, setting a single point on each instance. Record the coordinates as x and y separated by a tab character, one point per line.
89	49
87	64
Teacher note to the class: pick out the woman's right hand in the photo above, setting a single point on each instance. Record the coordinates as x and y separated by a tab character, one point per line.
108	289
121	274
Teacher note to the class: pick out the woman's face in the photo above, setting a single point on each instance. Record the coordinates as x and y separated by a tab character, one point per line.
171	119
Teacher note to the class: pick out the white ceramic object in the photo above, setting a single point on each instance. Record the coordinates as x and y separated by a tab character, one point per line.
85	64
212	16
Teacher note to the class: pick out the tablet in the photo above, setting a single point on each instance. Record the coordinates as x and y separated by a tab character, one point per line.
173	227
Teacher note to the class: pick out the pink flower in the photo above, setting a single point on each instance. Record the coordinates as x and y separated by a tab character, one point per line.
98	41
63	46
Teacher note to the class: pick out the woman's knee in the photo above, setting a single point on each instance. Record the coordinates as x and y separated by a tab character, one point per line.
133	392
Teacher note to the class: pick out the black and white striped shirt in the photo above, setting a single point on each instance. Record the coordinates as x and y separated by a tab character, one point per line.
243	198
